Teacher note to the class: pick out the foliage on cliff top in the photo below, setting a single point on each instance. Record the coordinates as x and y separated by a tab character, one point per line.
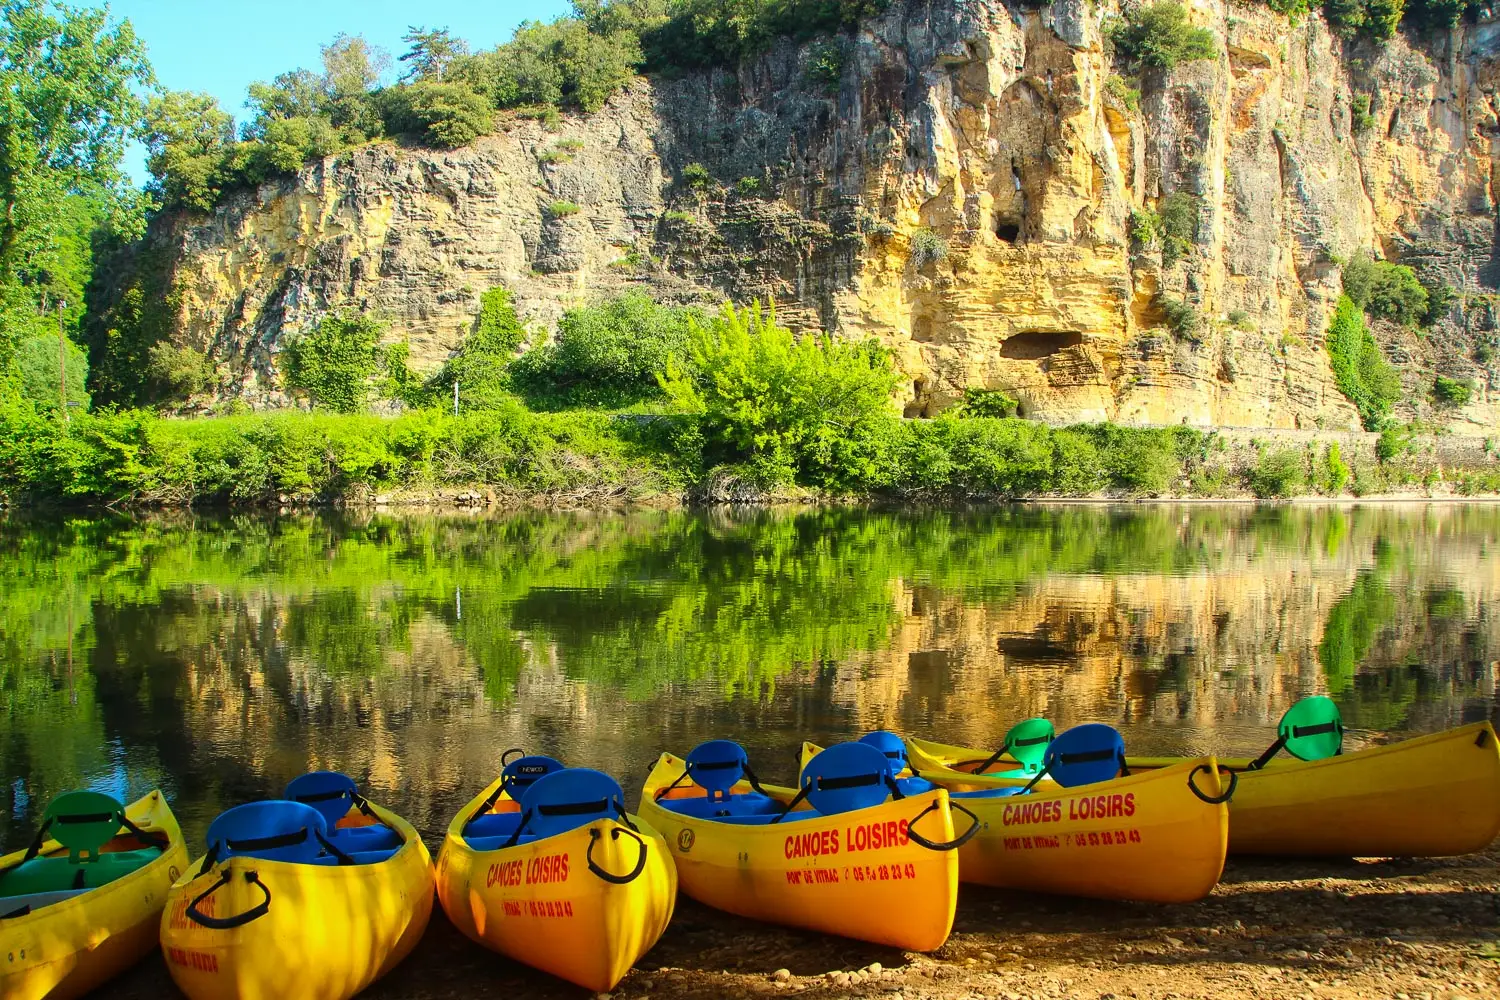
1160	36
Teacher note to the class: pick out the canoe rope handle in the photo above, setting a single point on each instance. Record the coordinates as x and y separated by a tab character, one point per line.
1213	800
951	845
610	877
239	920
505	757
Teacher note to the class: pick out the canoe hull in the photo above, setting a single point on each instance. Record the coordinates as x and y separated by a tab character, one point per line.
71	947
330	931
540	904
1432	796
856	875
1145	838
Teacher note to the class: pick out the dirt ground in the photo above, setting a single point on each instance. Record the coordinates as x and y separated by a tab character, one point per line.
1402	929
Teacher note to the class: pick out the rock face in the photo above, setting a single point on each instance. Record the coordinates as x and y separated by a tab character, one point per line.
965	193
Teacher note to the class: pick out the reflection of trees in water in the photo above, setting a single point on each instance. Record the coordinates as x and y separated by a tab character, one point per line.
227	654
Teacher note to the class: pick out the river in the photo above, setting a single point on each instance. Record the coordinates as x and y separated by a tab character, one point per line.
216	657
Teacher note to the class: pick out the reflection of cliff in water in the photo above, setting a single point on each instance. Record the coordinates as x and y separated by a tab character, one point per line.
223	656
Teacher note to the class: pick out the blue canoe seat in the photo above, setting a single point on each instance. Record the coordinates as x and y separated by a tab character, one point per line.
333	794
1085	755
847	776
521	773
894	748
493	831
565	800
274	830
717	766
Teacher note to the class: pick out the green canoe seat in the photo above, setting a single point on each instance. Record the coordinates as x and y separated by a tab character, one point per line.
1312	729
82	822
62	874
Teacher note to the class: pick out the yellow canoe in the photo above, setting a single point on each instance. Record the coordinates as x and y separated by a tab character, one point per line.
861	874
1431	796
1147	837
584	903
64	948
257	928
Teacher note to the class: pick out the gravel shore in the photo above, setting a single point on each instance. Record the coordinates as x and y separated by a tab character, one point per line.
1403	929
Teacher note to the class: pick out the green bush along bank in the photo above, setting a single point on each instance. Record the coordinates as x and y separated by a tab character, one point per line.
139	458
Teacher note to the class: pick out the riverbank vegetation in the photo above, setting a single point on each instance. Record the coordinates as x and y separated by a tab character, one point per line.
731	406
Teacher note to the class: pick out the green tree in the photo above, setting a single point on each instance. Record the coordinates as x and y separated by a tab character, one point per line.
40	377
334	362
69	84
1161	36
606	355
186	136
429	53
445	115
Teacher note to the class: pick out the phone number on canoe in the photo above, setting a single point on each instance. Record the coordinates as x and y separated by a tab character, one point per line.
1106	838
856	873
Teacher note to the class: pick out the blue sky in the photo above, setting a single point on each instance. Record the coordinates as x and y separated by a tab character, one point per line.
221	48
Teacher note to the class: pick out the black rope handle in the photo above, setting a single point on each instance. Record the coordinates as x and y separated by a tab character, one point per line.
610	877
238	920
1213	800
951	845
505	757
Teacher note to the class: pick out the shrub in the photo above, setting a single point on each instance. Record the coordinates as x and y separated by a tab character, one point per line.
479	366
563	209
1183	318
177	372
679	218
605	355
979	402
1360	370
1393	441
1440	298
748	187
1123	93
446	115
1145	225
1371	18
332	364
1142	461
697	177
825	65
1279	473
927	247
1359	113
777	402
1178	226
1159	35
1385	289
1240	320
1335	470
1451	392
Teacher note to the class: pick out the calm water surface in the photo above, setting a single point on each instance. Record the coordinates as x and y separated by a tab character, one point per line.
217	658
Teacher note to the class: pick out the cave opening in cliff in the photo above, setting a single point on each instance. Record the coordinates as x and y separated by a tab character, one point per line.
1008	231
1034	345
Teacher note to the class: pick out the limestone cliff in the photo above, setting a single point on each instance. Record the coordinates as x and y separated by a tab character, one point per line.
964	192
